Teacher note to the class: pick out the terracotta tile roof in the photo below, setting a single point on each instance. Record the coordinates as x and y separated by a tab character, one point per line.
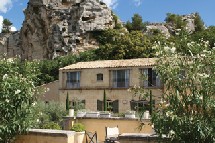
112	64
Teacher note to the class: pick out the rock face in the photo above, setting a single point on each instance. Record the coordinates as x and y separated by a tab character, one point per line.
57	27
158	26
190	18
167	29
10	44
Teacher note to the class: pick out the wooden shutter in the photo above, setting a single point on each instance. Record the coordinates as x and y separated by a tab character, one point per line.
83	101
132	105
99	105
116	106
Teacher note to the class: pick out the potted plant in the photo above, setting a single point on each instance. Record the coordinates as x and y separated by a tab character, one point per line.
105	114
81	113
130	114
92	114
80	131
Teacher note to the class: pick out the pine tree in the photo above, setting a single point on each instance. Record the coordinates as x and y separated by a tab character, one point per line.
6	25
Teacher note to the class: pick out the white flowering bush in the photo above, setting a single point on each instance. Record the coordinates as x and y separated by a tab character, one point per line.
17	97
187	110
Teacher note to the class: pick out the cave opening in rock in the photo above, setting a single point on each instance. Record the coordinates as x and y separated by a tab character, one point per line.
77	41
87	18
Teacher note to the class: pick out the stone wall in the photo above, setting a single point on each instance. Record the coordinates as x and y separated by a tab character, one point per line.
46	136
52	92
98	124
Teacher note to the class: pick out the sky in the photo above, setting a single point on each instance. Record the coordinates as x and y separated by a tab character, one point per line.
150	10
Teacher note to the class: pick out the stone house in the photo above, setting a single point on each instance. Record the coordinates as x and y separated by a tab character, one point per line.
86	81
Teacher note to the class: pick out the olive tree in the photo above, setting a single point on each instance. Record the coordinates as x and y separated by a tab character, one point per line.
186	112
17	98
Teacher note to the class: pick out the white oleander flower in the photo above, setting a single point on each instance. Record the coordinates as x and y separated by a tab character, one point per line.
17	91
34	103
173	49
7	100
5	76
171	132
166	48
169	113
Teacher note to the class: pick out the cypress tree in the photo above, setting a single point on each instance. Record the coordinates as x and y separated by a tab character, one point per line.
151	102
105	101
67	102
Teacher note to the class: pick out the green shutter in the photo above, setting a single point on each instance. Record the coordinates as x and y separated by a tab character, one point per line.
99	105
116	106
83	101
132	105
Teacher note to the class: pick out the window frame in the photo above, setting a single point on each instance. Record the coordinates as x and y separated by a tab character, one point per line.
117	78
152	79
71	82
99	77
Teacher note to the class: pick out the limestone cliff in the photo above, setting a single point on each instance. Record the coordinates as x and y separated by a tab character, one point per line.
10	44
58	27
168	28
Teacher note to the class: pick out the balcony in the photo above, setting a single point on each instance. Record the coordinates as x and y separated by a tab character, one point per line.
71	85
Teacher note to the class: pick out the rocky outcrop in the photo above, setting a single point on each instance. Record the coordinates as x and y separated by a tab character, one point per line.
58	27
158	26
167	28
10	44
190	24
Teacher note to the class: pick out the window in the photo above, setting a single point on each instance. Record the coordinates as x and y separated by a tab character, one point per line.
120	78
77	104
99	77
111	105
139	105
73	80
151	78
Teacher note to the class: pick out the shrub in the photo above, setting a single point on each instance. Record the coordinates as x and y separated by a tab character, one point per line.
52	125
78	127
50	112
17	97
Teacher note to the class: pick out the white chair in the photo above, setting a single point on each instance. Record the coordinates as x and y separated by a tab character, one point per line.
112	134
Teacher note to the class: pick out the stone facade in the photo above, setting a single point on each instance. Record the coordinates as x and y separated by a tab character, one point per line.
91	90
51	93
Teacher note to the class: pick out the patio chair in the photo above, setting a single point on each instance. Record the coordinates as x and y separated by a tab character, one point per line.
91	137
112	134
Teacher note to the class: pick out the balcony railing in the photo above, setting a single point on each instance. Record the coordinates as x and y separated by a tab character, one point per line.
72	84
120	84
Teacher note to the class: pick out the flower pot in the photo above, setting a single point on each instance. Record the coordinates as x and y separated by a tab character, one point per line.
71	112
146	115
92	114
79	137
81	114
130	116
105	115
